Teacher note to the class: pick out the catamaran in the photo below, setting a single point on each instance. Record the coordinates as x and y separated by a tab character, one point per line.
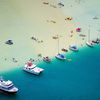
7	86
89	43
59	55
31	68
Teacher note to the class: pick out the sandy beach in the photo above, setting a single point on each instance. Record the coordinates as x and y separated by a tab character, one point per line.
31	26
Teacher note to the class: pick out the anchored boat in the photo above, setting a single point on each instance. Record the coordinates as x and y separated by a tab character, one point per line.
73	47
7	86
59	55
46	59
32	68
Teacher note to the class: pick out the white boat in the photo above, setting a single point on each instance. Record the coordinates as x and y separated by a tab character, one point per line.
31	68
7	86
90	44
60	56
73	47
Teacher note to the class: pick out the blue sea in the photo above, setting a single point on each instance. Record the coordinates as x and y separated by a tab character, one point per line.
61	80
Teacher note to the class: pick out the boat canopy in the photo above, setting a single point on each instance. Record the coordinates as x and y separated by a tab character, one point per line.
61	55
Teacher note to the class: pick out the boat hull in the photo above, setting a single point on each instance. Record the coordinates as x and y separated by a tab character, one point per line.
8	91
60	58
89	44
32	72
45	60
73	48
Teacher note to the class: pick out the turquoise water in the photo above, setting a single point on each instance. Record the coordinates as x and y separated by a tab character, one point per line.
61	80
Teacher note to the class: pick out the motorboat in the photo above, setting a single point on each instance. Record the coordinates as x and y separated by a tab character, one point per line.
9	42
46	59
7	86
32	68
65	50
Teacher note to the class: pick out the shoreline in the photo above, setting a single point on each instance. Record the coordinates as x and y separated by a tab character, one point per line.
41	60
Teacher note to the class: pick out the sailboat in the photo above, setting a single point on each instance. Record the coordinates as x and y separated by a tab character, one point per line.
73	47
59	55
89	43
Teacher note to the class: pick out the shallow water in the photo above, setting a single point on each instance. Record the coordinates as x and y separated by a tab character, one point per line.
61	80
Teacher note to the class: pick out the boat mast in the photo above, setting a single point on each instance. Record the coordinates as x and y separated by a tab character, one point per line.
58	44
89	34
